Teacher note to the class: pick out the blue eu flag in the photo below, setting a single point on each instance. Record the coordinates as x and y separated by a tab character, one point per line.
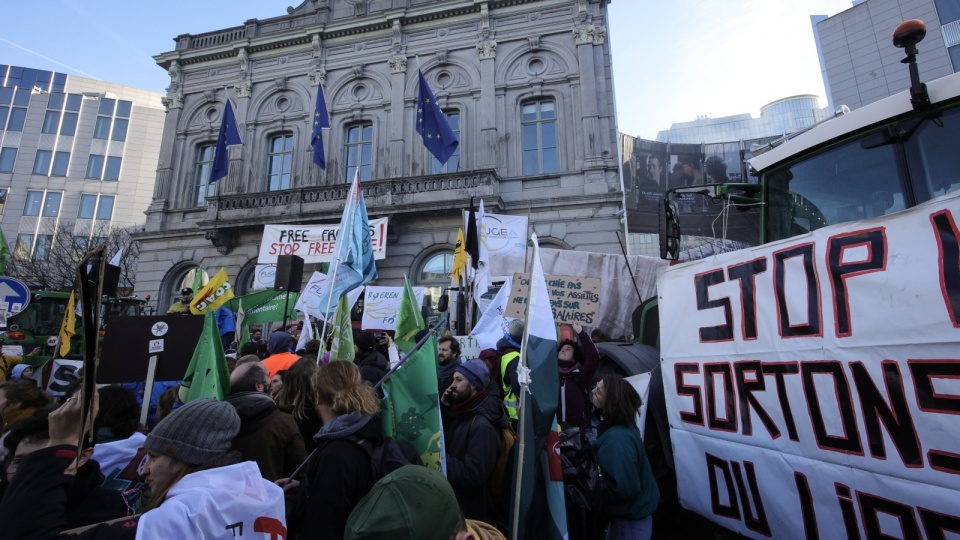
432	125
228	136
320	120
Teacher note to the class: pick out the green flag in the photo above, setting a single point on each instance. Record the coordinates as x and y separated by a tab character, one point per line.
342	346
411	408
262	308
197	280
207	375
4	253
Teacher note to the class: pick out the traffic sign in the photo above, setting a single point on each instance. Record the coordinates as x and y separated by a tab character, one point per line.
14	295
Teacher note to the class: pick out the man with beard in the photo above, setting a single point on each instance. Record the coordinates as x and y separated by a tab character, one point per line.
472	421
448	353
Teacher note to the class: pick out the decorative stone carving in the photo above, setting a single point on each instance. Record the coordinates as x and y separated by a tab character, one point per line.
280	83
534	42
358	71
318	76
487	49
315	44
484	17
581	5
174	100
223	239
398	64
442	57
589	35
175	74
243	88
244	58
397	31
209	96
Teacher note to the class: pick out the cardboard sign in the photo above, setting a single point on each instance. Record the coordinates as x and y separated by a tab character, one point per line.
314	243
381	306
575	300
813	384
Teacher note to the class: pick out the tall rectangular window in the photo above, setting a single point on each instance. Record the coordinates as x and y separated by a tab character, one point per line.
4	112
41	250
50	122
8	156
113	168
539	137
102	128
61	160
51	204
119	130
201	175
24	246
32	206
279	162
106	106
41	165
105	208
17	116
123	109
452	164
68	127
95	166
88	205
359	151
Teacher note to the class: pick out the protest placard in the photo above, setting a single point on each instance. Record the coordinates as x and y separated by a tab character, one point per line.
575	300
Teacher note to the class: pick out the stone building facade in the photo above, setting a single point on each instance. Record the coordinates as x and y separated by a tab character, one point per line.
526	83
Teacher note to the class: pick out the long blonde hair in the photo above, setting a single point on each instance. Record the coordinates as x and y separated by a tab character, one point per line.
339	385
158	492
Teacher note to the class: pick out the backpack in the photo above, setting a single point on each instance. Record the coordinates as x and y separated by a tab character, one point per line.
506	439
388	455
582	483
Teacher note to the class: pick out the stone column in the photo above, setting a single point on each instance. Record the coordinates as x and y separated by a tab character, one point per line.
488	150
396	166
585	36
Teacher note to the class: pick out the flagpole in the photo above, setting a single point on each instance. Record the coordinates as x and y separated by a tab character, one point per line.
348	226
524	380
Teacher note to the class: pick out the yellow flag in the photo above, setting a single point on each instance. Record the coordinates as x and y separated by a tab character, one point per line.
459	257
213	295
68	328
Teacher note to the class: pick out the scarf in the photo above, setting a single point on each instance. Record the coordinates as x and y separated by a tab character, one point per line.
471	403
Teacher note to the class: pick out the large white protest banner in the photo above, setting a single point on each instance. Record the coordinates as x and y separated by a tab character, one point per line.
313	242
381	306
813	384
310	299
506	240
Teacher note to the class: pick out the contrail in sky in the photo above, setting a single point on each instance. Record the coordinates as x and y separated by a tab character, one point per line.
48	59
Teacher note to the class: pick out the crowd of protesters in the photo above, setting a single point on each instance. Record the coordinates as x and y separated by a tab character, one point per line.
289	452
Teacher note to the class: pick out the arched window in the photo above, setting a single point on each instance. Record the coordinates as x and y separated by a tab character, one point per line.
279	162
359	150
539	136
433	274
179	278
202	163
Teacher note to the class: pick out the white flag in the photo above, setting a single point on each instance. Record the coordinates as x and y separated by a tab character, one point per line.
492	324
306	333
115	261
481	282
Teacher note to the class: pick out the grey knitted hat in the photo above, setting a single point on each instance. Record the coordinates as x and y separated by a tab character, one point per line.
196	432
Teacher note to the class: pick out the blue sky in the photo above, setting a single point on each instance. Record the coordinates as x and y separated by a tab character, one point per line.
673	61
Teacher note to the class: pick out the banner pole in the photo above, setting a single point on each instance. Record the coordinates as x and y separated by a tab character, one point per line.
148	389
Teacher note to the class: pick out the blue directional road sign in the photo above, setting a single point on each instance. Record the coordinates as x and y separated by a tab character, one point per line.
14	295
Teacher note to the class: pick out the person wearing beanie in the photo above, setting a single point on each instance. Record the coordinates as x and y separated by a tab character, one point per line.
197	485
280	353
578	363
373	365
472	421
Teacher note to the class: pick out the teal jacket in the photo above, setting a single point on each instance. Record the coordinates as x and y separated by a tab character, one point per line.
629	489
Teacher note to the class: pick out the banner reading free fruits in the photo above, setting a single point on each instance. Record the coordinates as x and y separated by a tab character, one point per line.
314	243
813	384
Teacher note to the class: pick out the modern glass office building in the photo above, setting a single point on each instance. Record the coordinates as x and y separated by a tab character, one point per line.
74	152
776	119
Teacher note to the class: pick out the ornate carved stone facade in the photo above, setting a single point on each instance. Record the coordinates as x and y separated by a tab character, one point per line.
534	104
